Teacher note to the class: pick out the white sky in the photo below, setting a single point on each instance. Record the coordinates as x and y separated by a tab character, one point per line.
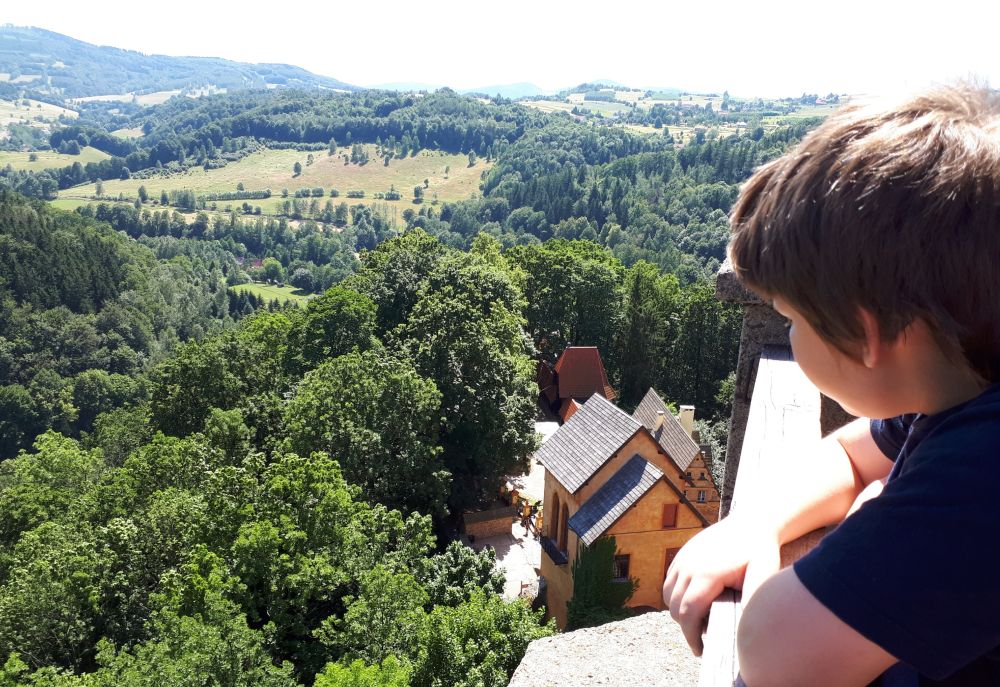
774	48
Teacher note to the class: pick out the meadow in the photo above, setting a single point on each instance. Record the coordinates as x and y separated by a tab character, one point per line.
34	113
49	159
145	99
269	292
595	106
273	169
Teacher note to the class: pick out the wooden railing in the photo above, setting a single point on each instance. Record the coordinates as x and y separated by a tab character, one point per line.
784	413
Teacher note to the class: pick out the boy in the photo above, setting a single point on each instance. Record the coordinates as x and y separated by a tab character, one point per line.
878	238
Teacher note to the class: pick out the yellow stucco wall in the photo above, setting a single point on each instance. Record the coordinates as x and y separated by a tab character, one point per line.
710	508
558	577
638	532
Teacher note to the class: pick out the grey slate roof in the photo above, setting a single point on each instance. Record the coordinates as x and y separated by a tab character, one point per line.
615	497
581	446
671	437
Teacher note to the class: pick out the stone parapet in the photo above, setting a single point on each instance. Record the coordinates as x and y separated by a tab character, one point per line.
647	650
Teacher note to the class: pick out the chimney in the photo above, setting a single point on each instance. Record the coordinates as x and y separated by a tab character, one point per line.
687	419
660	417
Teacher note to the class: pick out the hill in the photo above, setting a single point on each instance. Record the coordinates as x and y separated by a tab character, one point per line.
52	63
510	90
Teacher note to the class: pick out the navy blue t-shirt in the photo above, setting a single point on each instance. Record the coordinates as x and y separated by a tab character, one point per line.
917	569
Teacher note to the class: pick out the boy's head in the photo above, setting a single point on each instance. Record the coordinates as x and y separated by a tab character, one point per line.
891	209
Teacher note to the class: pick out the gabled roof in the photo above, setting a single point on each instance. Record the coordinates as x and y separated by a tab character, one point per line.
614	497
580	373
671	436
581	446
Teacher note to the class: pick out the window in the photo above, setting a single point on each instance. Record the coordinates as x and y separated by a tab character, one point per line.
687	474
669	515
701	475
701	496
619	572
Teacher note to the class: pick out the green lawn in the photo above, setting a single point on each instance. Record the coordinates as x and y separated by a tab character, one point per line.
273	169
48	159
272	293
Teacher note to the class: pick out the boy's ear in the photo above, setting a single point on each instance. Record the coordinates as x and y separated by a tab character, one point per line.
872	347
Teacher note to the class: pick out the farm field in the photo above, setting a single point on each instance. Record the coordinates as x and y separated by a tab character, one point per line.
803	112
548	105
145	99
596	106
48	159
273	169
270	292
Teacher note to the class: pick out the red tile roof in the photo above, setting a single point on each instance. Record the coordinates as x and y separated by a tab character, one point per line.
580	373
568	408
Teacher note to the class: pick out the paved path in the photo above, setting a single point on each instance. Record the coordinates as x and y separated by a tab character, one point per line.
519	555
520	558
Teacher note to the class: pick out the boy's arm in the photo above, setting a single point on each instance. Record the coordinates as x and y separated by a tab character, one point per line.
787	637
744	549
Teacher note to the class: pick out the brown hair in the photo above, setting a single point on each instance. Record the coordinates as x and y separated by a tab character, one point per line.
893	209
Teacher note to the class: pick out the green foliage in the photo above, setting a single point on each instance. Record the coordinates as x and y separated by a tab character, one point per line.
597	597
576	289
335	323
465	334
390	673
383	619
42	486
381	420
647	332
186	386
455	575
392	273
50	603
476	644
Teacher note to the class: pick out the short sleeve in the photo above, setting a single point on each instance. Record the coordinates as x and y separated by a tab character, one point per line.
890	434
915	570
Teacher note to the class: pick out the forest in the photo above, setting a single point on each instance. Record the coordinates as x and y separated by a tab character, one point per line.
201	488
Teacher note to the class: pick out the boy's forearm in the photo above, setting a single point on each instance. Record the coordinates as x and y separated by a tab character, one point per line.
820	488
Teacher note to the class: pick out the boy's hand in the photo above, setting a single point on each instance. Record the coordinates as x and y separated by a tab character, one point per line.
731	553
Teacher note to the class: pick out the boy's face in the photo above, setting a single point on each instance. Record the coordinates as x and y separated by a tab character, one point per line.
836	374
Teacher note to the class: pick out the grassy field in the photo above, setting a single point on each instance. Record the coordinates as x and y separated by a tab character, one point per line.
35	113
548	105
24	78
48	159
803	112
127	133
146	99
595	106
273	169
272	293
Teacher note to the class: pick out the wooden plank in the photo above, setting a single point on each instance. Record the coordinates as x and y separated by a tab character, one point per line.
784	413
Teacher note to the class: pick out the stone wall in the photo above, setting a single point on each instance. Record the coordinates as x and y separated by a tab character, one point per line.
648	651
489	523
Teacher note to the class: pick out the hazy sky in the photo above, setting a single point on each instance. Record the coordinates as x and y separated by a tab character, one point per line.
750	48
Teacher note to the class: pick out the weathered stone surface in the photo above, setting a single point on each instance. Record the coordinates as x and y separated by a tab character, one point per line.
647	650
728	288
